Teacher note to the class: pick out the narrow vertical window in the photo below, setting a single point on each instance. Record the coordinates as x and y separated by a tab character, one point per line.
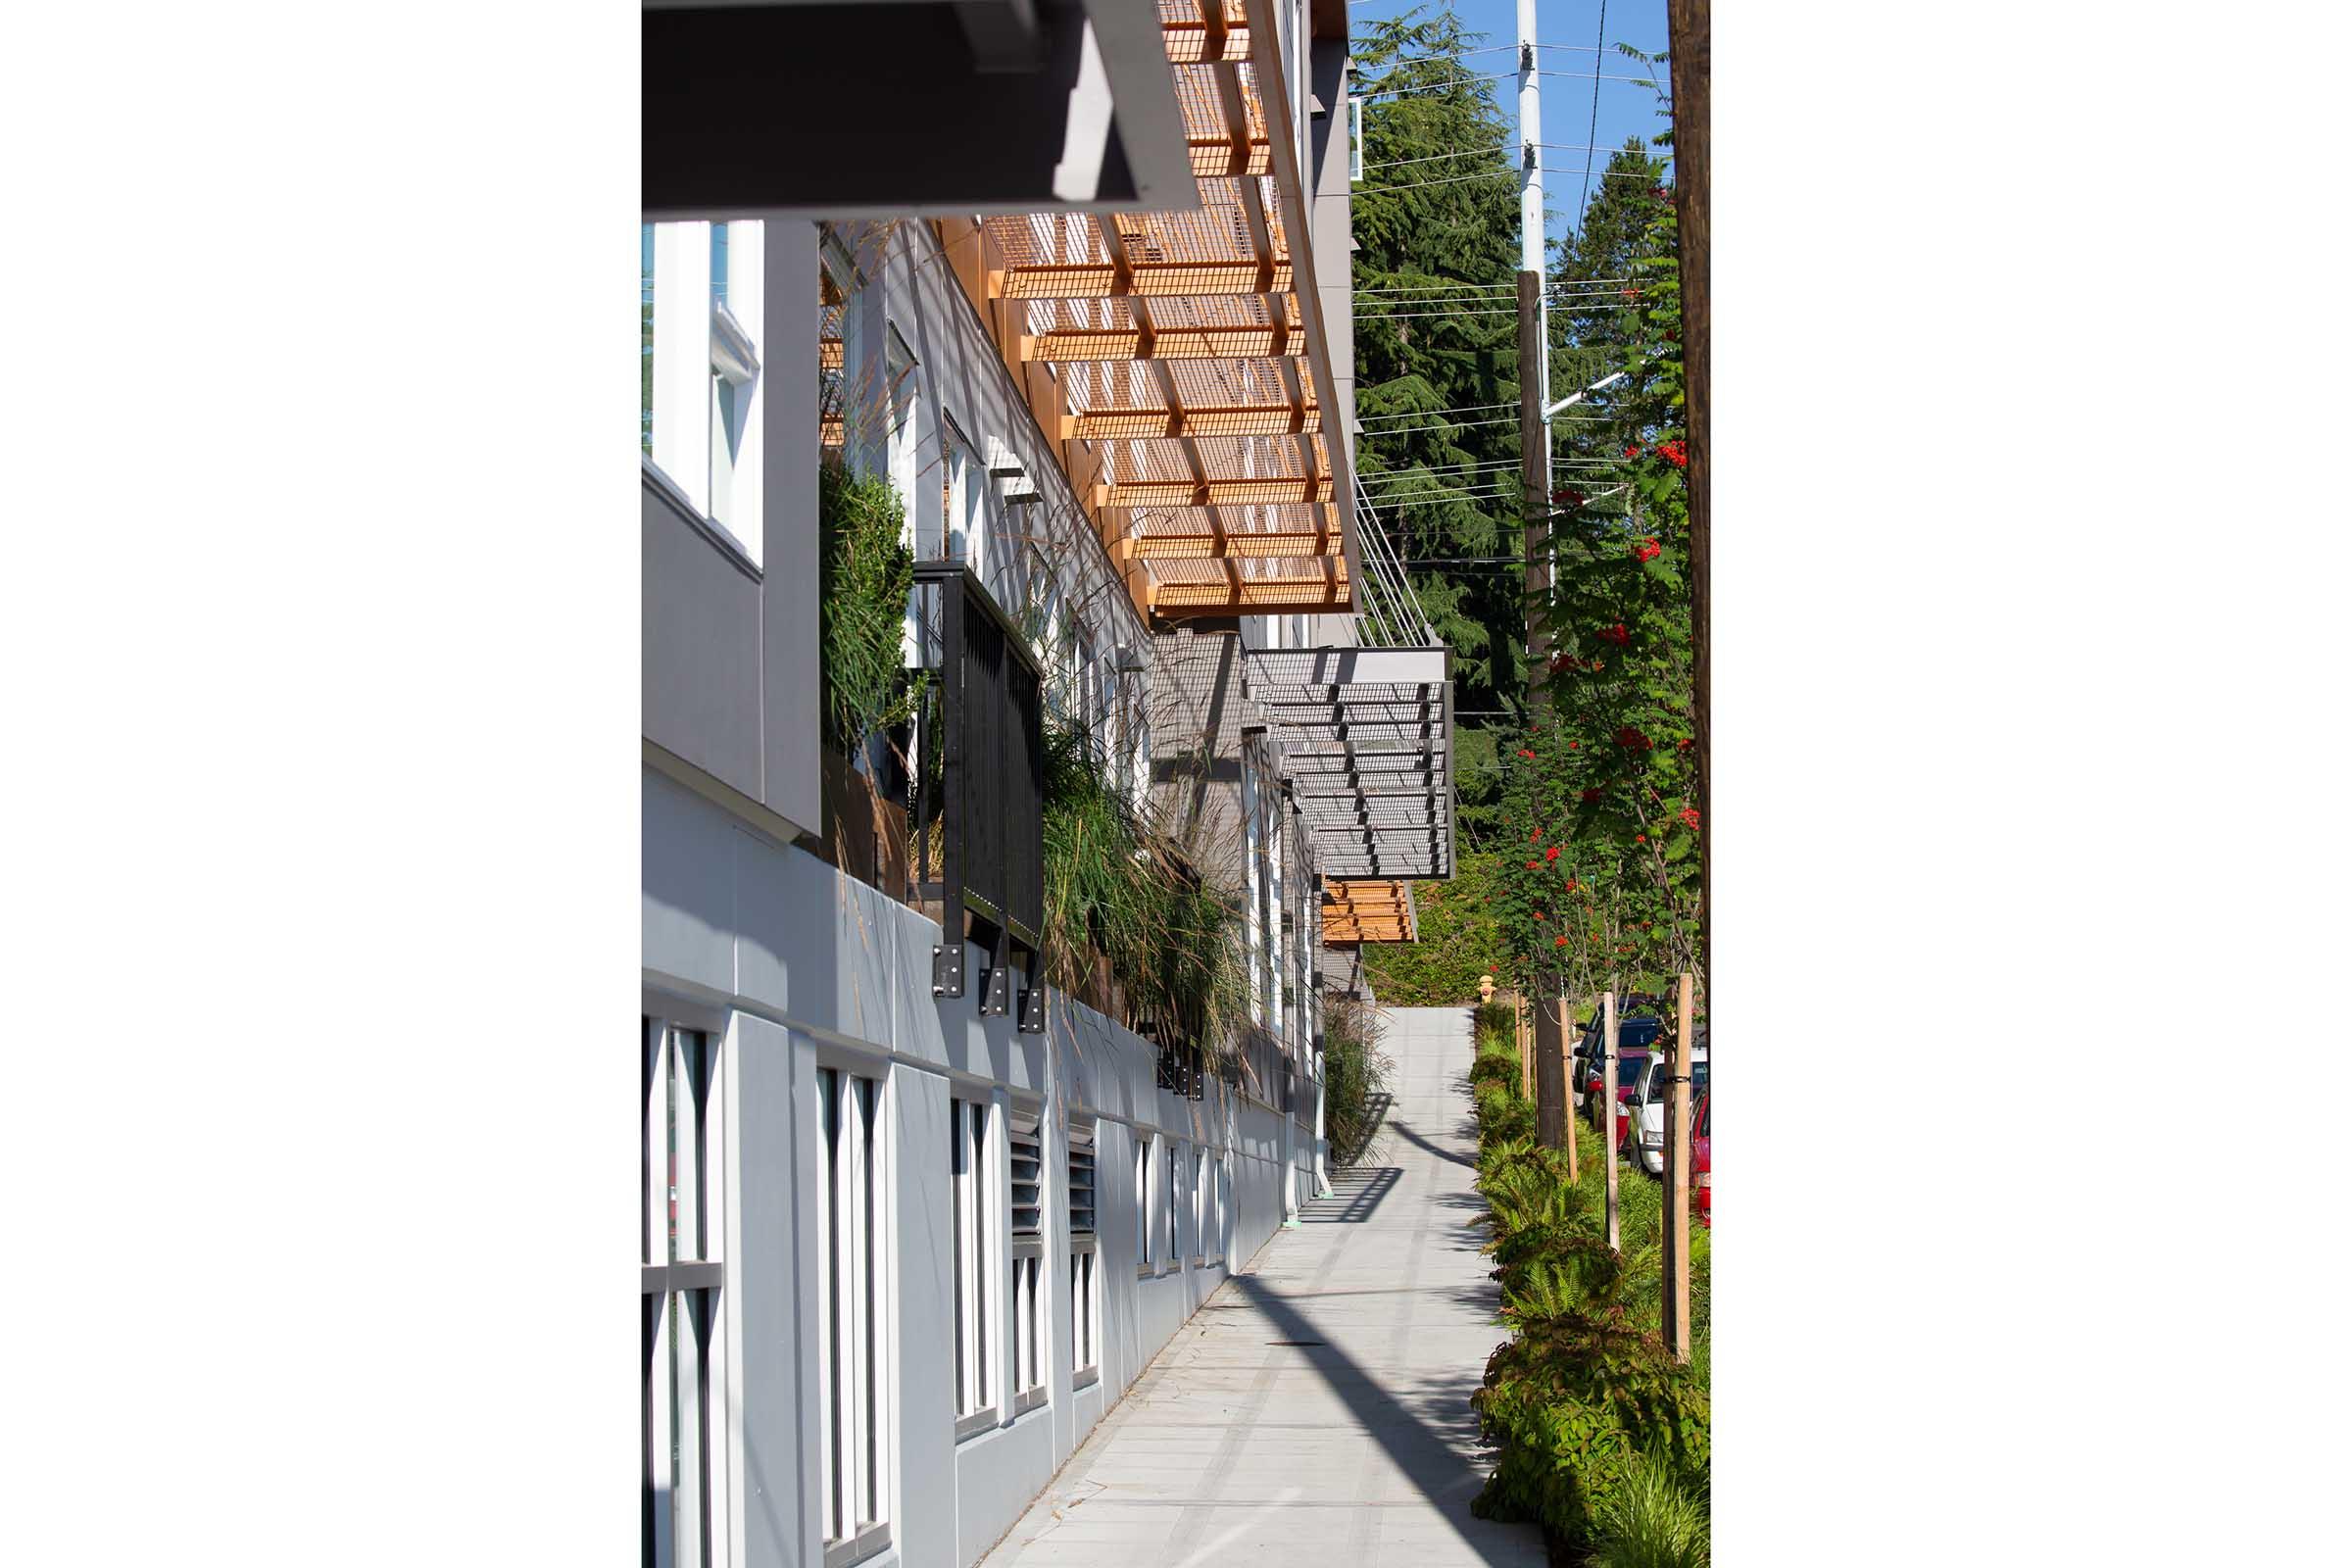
1168	1185
852	1315
681	1157
1027	1162
975	1225
1143	1202
1085	1248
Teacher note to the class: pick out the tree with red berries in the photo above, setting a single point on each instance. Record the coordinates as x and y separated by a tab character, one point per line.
1608	781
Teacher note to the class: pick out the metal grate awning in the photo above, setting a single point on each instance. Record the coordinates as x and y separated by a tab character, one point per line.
1175	355
1366	736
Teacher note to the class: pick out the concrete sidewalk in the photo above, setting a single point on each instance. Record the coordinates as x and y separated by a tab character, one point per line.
1322	1399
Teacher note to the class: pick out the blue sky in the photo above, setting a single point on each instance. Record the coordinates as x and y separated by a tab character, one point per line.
1625	109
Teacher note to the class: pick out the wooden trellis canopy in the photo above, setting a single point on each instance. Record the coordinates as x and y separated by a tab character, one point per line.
1358	909
1174	356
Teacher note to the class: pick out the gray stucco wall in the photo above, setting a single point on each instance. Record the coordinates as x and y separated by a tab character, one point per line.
728	654
805	966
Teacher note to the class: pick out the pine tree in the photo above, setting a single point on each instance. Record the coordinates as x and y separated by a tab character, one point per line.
1595	318
1435	222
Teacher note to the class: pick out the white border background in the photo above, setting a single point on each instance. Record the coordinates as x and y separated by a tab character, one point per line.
321	609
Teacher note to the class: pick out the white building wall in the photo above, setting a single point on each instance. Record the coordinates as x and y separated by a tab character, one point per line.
793	967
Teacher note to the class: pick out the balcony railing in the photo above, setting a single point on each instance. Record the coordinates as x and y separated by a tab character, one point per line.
977	800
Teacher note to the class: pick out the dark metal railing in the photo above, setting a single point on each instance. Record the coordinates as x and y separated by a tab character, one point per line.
979	787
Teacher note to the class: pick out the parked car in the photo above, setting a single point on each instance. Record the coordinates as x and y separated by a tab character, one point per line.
1649	1103
1633	1034
1631	1068
1702	1169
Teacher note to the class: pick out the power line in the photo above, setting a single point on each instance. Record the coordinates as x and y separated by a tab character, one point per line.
1600	36
1455	81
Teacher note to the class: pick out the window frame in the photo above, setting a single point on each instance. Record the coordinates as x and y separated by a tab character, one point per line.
1029	1284
876	1163
683	1430
1146	1266
977	1220
1086	1251
1173	1241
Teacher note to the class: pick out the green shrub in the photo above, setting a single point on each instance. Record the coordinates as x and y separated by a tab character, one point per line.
1573	1402
1650	1522
1459	940
1585	1389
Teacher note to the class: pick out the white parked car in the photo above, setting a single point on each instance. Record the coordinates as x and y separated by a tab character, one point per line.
1649	1106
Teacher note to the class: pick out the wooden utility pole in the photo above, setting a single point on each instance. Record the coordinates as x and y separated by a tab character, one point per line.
1608	1106
1689	46
1678	1177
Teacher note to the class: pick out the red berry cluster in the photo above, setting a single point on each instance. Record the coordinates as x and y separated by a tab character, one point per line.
1629	737
1531	757
1633	452
1615	633
1554	852
1647	550
1676	452
1690	817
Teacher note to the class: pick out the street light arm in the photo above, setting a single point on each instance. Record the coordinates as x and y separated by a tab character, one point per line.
1579	397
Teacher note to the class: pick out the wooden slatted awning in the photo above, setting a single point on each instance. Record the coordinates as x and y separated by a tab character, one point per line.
1173	357
1368	910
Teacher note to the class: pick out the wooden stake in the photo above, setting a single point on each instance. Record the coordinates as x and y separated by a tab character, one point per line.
1608	1106
1567	1040
1678	1177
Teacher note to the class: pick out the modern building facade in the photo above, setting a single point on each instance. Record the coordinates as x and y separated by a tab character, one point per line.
913	1219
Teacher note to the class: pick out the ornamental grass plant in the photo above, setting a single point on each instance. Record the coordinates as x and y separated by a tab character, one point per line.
1117	887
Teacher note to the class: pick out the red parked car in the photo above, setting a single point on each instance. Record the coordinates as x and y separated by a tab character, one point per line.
1702	1174
1632	1066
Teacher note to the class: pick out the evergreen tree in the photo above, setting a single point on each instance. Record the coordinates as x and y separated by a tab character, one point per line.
1596	318
1437	222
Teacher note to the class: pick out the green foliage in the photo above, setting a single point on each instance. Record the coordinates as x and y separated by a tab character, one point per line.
1650	1522
1115	885
864	577
1599	798
1599	1434
1436	221
1459	940
1355	1074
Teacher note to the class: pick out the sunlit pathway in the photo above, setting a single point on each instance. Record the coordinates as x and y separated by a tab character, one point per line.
1321	1399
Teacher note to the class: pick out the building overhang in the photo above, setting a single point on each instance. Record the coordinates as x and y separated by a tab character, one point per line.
1180	356
897	107
1366	737
1360	909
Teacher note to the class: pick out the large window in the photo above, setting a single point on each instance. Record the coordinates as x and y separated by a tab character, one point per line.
975	1222
1029	1284
1084	1252
681	1149
853	1314
700	316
